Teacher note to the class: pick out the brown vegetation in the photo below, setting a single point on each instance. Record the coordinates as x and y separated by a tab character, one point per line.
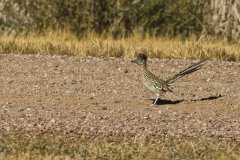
66	43
53	147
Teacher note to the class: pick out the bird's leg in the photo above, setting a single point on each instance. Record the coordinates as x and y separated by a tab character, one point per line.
156	99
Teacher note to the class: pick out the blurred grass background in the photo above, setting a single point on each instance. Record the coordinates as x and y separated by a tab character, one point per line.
117	17
67	43
119	28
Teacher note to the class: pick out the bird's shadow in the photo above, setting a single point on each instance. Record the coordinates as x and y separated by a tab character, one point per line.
166	102
210	98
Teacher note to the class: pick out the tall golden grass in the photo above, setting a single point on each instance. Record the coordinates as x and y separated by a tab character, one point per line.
66	43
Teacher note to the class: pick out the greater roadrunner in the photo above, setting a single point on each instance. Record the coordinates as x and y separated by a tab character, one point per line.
157	85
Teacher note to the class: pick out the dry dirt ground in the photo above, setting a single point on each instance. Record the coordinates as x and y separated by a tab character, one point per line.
104	97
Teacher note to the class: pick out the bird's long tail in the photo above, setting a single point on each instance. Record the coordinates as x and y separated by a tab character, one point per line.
185	72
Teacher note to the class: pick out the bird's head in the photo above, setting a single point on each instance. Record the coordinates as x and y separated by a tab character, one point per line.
141	60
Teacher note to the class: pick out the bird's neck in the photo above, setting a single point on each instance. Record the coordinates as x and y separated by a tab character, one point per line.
144	68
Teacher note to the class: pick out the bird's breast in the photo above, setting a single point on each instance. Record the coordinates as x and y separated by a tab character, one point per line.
150	85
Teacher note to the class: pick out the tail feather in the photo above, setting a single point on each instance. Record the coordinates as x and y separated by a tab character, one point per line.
185	72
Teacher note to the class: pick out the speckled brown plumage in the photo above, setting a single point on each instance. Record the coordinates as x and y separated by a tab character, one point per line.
157	85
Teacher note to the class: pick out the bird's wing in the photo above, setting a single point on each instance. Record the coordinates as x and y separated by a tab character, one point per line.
160	84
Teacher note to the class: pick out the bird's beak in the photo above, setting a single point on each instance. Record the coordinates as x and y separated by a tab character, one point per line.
134	61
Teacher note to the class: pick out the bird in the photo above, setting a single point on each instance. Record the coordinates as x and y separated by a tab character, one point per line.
158	85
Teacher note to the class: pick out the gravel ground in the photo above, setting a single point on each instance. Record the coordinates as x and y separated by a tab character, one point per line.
104	97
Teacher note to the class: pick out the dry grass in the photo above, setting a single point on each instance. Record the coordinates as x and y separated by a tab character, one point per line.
25	146
65	43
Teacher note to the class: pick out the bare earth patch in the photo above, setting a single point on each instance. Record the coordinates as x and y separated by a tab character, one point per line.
94	98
